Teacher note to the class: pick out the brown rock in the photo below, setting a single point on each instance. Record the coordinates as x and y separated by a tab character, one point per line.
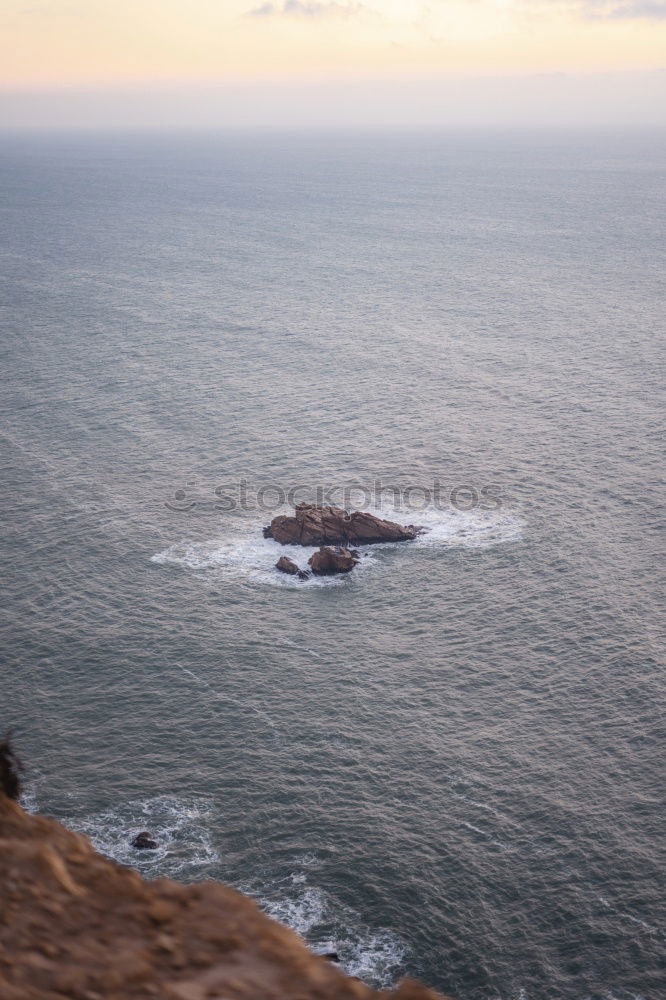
287	565
313	525
144	842
332	560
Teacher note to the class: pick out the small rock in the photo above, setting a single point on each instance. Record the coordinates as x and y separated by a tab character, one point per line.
144	842
328	561
287	565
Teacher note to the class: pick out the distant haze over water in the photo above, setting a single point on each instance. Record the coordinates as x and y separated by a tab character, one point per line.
447	764
592	100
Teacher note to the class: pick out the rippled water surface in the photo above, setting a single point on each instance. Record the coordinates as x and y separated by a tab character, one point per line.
447	764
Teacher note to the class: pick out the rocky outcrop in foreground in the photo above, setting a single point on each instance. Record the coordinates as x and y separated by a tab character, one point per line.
75	926
313	525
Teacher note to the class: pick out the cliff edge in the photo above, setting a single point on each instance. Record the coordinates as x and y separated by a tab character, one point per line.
74	924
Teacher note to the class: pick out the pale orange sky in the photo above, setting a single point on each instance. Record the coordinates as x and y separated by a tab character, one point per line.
69	42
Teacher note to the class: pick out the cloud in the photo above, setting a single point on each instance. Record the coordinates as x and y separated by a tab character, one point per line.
597	10
306	8
654	10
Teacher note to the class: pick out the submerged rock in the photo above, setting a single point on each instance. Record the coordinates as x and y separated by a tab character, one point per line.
144	842
287	565
328	561
313	525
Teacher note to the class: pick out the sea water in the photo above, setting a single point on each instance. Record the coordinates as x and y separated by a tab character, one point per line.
446	764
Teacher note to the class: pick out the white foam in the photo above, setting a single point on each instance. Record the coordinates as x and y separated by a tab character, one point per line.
374	955
307	860
244	554
486	807
250	557
476	529
28	800
180	827
650	928
627	996
484	833
301	912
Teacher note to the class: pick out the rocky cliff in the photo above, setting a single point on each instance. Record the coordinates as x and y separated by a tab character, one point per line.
75	925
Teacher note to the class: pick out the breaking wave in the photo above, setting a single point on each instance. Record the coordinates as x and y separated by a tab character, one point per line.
376	956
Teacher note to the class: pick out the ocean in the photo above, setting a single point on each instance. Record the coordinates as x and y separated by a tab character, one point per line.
447	764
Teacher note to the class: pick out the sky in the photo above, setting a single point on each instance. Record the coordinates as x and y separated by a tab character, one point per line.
166	61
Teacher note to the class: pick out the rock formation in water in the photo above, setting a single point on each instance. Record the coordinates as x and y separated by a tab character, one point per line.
287	565
144	842
75	926
327	561
313	525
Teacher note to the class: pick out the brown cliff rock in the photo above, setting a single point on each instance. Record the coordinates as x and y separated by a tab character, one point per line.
313	525
75	926
328	561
